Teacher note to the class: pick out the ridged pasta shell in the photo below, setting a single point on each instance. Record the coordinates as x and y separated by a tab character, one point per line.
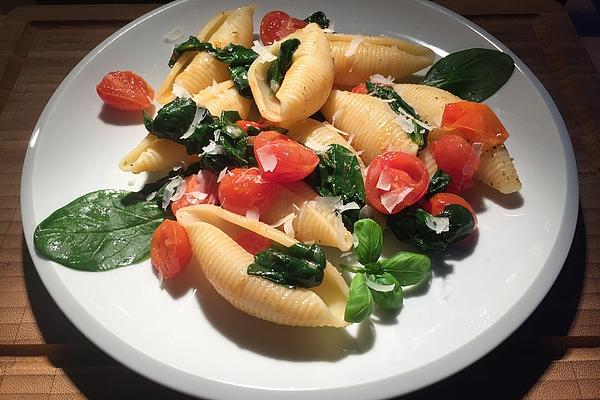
371	121
426	155
194	71
211	231
376	55
496	169
306	84
223	97
154	154
429	102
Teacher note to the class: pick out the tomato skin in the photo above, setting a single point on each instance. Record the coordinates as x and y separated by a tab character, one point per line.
458	158
252	242
276	25
170	249
243	189
475	122
405	172
294	161
125	90
246	124
435	204
361	88
204	182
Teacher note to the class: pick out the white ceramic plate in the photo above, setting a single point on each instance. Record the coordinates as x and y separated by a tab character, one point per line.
197	343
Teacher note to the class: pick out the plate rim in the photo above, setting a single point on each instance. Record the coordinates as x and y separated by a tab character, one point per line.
422	376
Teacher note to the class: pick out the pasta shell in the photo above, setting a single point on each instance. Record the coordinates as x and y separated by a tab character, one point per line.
211	231
223	97
306	84
426	155
375	55
371	121
496	169
429	102
154	154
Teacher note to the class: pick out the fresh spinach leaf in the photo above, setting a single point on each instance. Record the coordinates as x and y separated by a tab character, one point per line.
408	268
236	55
279	67
318	18
438	183
472	74
417	227
298	265
239	76
97	232
369	239
173	119
360	300
389	300
192	44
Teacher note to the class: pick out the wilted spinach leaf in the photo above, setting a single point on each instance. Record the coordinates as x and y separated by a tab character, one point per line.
173	119
438	183
192	44
318	18
279	67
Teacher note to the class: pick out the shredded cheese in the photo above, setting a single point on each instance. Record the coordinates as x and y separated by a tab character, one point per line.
385	180
198	116
252	214
213	148
354	43
438	224
180	91
170	189
382	80
288	228
264	54
390	200
222	174
283	221
267	159
195	197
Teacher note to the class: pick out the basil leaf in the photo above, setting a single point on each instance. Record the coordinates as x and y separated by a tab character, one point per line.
298	265
318	18
192	44
438	183
360	300
370	238
239	76
472	74
414	226
391	300
408	268
173	119
236	55
96	232
279	67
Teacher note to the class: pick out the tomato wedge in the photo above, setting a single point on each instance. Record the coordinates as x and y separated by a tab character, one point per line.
458	158
199	189
395	181
281	159
475	122
252	242
435	204
276	25
170	249
125	90
243	189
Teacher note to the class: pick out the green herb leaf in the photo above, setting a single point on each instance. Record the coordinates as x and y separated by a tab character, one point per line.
239	76
472	74
360	300
235	55
96	232
408	268
370	239
414	225
318	18
298	265
173	119
192	44
279	67
439	183
391	300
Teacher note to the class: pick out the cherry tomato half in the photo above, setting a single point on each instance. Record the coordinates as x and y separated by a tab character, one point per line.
199	189
476	122
458	158
281	159
125	90
395	181
277	24
243	189
246	124
252	242
170	249
435	204
360	88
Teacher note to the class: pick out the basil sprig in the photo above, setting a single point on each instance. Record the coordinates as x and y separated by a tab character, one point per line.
300	265
472	74
318	18
419	133
380	281
279	67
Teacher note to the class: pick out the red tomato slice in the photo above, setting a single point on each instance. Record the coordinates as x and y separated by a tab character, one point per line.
360	88
170	249
199	189
476	122
280	159
395	181
243	189
125	90
276	25
458	158
436	204
252	242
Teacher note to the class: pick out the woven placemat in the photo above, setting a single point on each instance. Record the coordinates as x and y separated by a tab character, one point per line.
555	354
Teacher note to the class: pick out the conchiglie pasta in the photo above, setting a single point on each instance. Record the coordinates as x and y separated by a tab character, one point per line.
371	121
429	102
426	155
306	84
154	154
212	231
223	97
375	55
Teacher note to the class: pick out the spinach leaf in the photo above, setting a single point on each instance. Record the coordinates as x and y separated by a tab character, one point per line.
419	133
360	300
192	44
173	119
239	76
279	67
390	300
97	232
370	239
407	268
298	265
236	55
417	227
318	18
472	74
438	183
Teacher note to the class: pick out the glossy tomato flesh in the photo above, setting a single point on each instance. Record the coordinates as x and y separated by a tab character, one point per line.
276	25
436	204
200	188
476	122
458	158
125	90
243	189
170	249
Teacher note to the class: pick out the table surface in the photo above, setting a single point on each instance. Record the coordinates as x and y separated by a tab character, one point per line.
555	354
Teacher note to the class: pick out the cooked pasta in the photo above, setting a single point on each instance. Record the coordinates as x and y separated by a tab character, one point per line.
428	101
428	159
223	97
154	154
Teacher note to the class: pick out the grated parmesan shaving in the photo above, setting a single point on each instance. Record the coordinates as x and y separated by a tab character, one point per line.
222	174
405	123
288	228
266	158
151	196
264	54
336	203
195	197
378	287
283	221
382	80
354	43
180	191
334	117
390	200
180	91
198	116
174	35
438	224
327	124
385	180
213	148
252	214
318	147
170	190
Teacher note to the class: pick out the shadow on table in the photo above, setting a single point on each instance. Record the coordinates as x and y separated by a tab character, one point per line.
508	372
